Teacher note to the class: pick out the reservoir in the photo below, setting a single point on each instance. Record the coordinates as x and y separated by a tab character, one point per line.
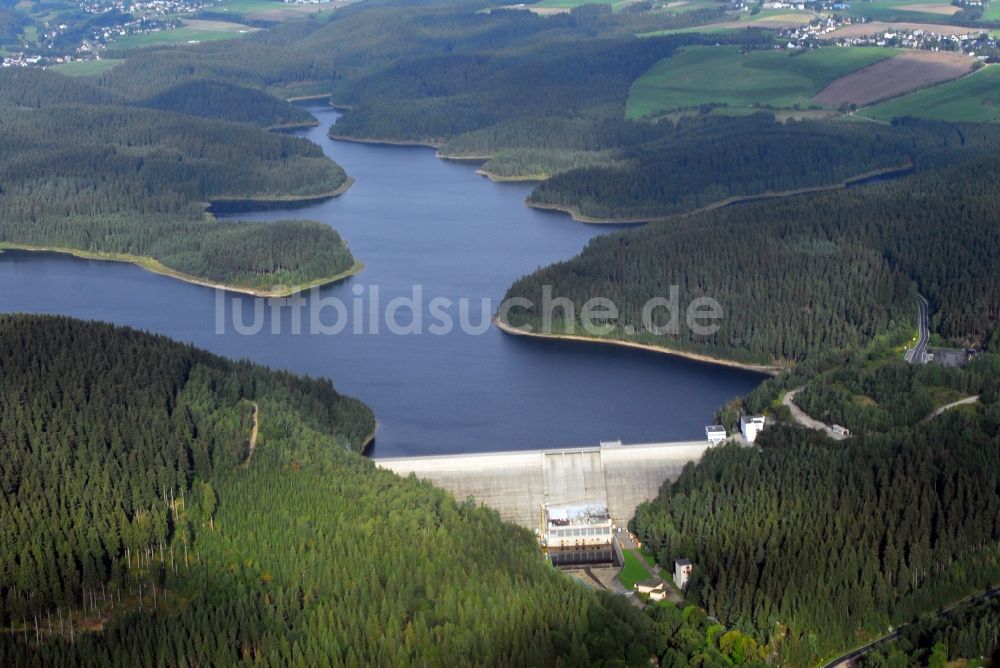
415	221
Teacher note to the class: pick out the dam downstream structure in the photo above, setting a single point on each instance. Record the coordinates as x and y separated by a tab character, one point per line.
520	485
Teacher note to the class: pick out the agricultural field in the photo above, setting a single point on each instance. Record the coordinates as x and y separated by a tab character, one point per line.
270	10
548	7
894	77
900	10
554	6
678	6
193	30
82	68
941	8
974	98
721	75
769	19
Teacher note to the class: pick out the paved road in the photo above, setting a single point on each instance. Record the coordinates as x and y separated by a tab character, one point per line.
849	658
917	354
806	421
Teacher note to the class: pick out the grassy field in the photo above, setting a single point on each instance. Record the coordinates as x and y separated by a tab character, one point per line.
247	6
767	19
721	75
570	4
972	98
632	571
900	10
268	10
191	31
672	7
679	6
82	68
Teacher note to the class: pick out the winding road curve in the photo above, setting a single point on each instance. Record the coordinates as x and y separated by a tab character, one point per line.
806	421
960	402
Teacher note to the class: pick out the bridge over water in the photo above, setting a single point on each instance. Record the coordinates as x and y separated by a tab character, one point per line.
519	484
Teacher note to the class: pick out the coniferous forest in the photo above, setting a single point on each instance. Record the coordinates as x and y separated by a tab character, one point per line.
803	275
85	173
144	525
815	545
821	543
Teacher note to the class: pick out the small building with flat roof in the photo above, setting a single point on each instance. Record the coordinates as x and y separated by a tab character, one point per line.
750	426
715	433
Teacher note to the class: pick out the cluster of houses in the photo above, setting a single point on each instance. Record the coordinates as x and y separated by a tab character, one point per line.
104	35
138	17
35	60
973	42
21	60
800	5
143	7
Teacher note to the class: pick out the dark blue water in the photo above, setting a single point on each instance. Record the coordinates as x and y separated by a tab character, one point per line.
416	220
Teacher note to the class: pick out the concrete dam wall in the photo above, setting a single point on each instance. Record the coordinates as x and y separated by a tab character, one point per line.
519	484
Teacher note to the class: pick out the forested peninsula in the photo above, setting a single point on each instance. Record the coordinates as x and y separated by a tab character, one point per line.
88	174
801	276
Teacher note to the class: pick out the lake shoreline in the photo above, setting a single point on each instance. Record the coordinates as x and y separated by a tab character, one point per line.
385	142
266	200
507	328
521	178
426	143
291	127
574	212
155	266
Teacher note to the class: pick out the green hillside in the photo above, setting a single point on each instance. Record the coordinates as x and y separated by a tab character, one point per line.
974	98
